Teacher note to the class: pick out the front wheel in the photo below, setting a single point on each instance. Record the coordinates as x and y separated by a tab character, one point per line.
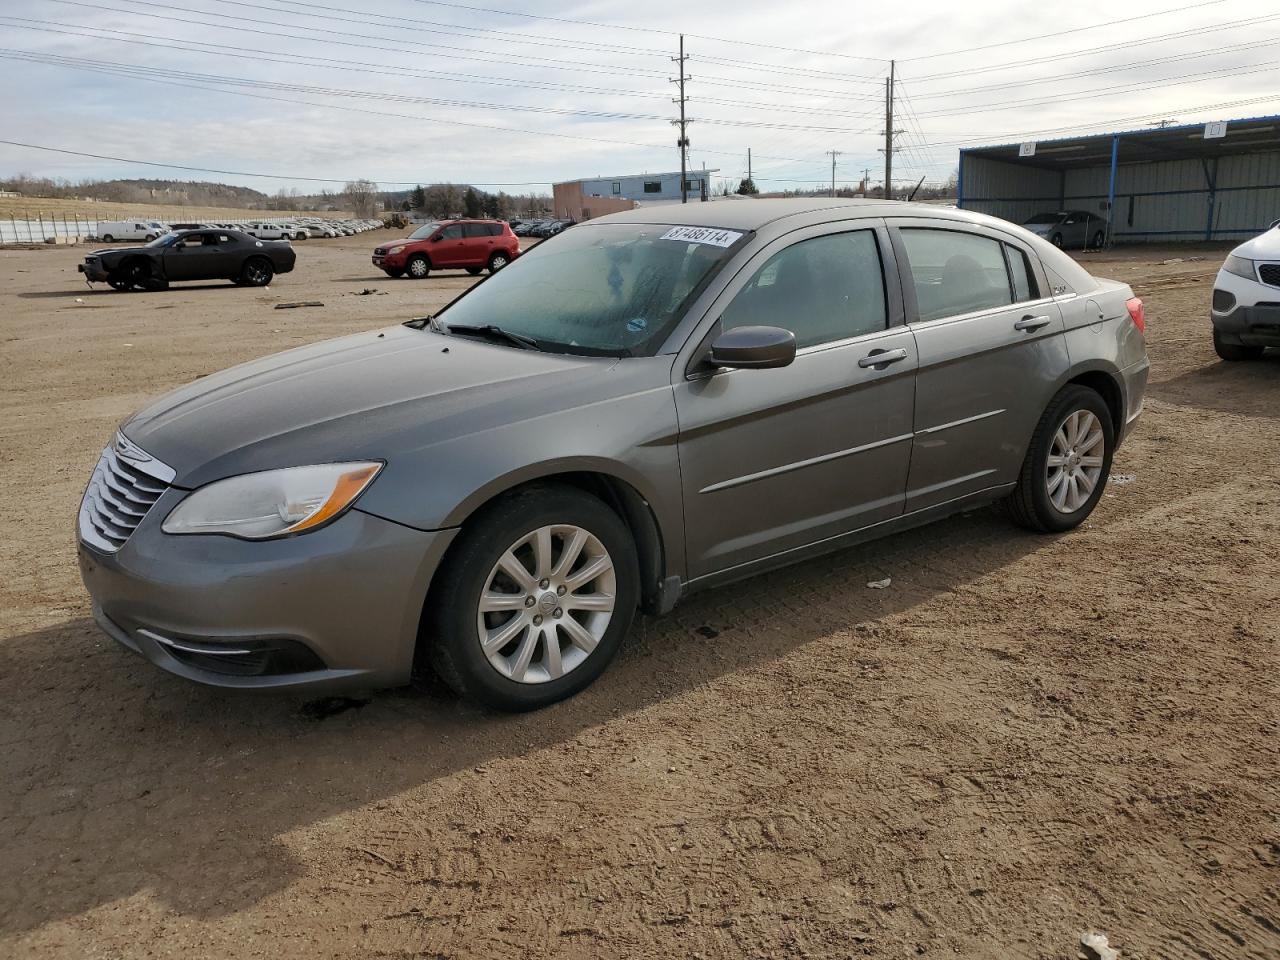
418	267
1067	464
1056	240
534	600
149	237
256	272
1233	352
1099	239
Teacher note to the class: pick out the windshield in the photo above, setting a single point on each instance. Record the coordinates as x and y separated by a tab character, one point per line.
615	289
165	240
1045	218
424	231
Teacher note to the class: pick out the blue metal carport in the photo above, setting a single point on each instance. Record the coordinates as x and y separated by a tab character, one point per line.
1196	182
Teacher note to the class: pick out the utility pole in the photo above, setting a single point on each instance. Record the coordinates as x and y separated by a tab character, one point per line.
888	133
683	142
866	180
749	165
834	154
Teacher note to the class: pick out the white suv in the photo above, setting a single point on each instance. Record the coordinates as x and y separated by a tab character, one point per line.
1246	299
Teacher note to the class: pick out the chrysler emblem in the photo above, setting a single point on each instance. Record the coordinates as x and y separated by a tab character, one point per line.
127	449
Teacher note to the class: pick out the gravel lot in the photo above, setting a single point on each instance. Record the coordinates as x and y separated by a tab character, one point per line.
1021	739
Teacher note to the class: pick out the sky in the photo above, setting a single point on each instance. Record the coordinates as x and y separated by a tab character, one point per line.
518	96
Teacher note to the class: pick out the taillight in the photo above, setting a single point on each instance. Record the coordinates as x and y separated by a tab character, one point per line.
1137	313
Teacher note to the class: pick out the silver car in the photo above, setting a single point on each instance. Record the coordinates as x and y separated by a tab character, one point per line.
648	405
1070	229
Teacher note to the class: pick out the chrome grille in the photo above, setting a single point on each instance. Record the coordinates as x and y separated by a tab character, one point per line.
125	484
1269	274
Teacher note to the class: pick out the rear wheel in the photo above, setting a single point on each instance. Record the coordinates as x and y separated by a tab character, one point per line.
299	236
534	600
1056	240
256	272
1067	464
418	266
1234	351
1099	239
498	261
107	238
475	271
149	237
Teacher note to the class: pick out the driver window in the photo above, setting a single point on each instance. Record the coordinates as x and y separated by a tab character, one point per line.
822	290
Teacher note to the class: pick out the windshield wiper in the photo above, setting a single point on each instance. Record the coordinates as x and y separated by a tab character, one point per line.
493	332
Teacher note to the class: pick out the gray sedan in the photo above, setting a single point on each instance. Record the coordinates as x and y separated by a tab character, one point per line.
648	405
1070	229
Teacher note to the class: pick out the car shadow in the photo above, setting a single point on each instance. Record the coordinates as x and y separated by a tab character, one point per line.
186	793
103	290
1248	388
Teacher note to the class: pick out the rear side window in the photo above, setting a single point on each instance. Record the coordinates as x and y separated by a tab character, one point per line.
495	229
1024	280
472	230
824	289
956	273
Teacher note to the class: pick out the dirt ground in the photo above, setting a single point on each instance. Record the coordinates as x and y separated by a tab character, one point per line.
1021	739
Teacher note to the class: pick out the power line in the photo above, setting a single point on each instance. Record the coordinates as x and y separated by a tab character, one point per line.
668	33
1063	33
242	173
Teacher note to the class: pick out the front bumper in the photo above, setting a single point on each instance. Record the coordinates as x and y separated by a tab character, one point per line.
333	609
1255	326
391	261
93	271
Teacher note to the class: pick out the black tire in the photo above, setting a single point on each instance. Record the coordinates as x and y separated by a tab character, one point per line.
452	645
149	237
395	274
498	261
418	267
134	273
1233	352
475	271
116	282
1029	503
256	272
108	238
1099	239
1056	240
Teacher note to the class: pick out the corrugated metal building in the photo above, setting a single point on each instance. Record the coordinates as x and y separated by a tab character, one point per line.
1216	181
647	186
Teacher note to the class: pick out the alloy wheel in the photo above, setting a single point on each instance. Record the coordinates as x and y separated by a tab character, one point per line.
546	604
1074	465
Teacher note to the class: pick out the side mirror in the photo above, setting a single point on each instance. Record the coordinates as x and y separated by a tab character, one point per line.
753	348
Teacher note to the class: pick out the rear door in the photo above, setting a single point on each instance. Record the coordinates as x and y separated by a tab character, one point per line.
991	351
477	244
773	460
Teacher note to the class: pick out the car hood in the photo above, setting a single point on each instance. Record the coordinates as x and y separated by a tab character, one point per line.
108	251
1265	246
371	396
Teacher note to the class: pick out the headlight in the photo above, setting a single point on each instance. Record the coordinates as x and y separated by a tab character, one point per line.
395	250
1240	267
275	503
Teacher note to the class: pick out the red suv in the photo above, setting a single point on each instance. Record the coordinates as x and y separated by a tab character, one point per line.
472	245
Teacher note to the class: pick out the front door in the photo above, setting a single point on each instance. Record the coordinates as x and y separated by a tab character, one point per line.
449	247
198	258
774	460
991	352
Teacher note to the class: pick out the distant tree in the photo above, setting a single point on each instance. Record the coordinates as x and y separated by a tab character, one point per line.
417	199
748	187
471	205
362	196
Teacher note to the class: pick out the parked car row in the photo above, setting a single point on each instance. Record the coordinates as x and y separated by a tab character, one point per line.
299	228
539	228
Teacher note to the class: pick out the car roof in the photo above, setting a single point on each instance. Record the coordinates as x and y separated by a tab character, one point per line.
752	214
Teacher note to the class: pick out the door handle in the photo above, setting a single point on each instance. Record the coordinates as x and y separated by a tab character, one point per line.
882	358
1032	323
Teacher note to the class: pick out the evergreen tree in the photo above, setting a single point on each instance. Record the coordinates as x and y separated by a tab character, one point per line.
471	203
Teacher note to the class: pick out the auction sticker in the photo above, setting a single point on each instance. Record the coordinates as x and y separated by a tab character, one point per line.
717	238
